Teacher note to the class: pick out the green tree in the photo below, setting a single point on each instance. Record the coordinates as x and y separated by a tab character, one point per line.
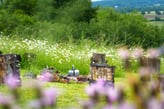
76	11
26	6
45	10
60	3
15	13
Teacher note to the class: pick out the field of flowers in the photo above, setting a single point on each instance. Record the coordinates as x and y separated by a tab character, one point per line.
62	56
133	89
59	55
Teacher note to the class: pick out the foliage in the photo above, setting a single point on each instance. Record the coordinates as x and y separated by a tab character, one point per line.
45	10
75	20
26	6
16	13
126	29
60	3
9	21
76	11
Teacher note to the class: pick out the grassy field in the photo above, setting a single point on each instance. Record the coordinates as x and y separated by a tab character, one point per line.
68	95
62	57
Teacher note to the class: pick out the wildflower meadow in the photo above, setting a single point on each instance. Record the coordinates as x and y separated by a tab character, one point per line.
72	54
61	56
134	88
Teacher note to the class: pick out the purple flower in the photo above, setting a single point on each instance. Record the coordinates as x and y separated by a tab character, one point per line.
154	104
47	76
90	90
153	53
126	105
49	97
154	85
112	94
6	99
162	99
144	72
12	81
137	53
97	88
100	86
123	53
36	104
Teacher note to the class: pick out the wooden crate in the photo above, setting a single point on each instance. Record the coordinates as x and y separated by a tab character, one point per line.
161	80
153	64
99	69
9	64
102	71
2	68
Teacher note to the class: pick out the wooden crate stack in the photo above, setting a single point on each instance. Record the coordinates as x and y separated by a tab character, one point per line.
99	69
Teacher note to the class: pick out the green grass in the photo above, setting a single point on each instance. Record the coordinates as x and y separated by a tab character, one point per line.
61	56
69	95
162	66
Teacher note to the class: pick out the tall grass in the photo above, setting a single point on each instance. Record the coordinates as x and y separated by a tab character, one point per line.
61	56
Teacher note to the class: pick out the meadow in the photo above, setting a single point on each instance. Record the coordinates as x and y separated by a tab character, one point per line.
62	56
68	95
66	33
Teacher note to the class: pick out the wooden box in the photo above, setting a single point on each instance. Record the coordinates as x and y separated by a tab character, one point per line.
9	64
102	71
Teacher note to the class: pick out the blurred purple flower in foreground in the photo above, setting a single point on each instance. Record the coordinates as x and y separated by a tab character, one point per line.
36	104
154	104
49	97
123	53
127	105
137	53
112	94
153	53
12	81
46	76
6	101
97	88
144	72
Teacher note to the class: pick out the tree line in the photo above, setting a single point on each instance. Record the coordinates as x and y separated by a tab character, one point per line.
75	20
